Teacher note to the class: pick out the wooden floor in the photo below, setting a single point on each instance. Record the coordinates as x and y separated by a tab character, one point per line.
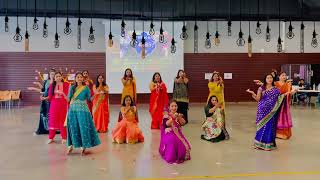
27	156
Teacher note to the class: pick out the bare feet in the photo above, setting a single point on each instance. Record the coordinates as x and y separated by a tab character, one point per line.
83	151
70	148
50	141
63	141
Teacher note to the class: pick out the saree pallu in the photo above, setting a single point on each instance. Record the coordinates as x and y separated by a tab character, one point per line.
100	112
213	127
81	130
127	130
158	101
267	116
284	124
131	90
174	147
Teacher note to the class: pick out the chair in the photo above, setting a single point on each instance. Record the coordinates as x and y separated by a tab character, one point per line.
16	97
5	97
313	100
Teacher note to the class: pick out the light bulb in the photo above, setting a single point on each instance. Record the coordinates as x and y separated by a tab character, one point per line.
6	24
91	38
110	41
229	28
249	46
161	36
45	29
302	38
35	25
151	31
195	38
123	26
279	46
258	29
143	48
207	43
314	41
290	33
26	42
79	34
268	35
67	29
134	41
241	41
184	34
17	37
216	38
173	47
56	40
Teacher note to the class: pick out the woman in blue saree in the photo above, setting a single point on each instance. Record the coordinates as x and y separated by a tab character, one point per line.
270	102
80	127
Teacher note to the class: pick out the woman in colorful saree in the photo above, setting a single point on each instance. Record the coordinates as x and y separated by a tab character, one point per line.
127	130
270	102
285	121
81	130
180	93
214	123
129	86
174	147
158	100
100	109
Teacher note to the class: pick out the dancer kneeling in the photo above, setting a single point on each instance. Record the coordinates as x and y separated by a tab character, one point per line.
214	124
174	147
127	130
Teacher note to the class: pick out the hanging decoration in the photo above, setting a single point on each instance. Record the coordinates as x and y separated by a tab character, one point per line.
268	35
134	41
151	31
123	24
195	29
17	37
229	20
173	47
258	29
240	41
26	36
45	26
110	36
143	43
279	45
249	38
290	33
67	29
35	25
207	43
161	35
314	41
302	30
216	36
6	20
91	38
184	34
79	28
56	36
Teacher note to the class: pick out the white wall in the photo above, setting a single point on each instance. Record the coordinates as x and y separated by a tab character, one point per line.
228	44
68	43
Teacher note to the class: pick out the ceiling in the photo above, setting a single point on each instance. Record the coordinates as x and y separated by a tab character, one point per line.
295	10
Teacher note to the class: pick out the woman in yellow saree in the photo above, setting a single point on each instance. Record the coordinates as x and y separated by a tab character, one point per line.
100	109
129	85
127	130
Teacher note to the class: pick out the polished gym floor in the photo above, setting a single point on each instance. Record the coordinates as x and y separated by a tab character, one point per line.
24	155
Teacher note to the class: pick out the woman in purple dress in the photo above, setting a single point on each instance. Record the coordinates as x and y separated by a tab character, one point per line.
270	102
174	147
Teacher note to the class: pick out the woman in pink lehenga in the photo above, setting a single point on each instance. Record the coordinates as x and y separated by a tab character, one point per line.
174	147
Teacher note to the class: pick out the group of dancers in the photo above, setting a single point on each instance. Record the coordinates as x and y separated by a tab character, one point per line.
79	110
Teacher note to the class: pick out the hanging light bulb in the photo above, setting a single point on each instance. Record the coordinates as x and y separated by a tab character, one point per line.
35	25
216	39
249	46
123	26
161	35
258	29
279	46
229	28
67	29
26	42
6	24
207	42
134	41
151	31
79	34
173	47
45	29
56	40
240	41
110	41
302	38
268	35
195	38
184	34
143	47
91	38
290	33
17	37
314	41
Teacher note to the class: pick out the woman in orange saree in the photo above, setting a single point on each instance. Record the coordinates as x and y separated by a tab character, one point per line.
127	130
129	86
158	100
100	108
285	120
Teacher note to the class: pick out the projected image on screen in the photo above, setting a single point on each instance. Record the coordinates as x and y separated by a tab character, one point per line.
158	57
